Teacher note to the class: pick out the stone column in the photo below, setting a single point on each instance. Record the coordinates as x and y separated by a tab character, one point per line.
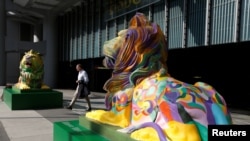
2	43
51	54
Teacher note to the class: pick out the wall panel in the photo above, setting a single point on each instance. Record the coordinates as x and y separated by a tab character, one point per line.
245	21
223	28
176	24
159	14
196	25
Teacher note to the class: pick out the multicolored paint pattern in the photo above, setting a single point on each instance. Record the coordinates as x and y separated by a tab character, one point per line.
145	100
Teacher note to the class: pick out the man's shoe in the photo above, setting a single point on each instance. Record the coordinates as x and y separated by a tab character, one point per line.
88	109
69	107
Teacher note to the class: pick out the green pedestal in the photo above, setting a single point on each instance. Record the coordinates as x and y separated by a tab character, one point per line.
87	130
32	99
72	131
105	130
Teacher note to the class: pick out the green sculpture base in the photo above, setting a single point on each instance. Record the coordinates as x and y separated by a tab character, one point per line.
87	130
105	130
32	99
72	131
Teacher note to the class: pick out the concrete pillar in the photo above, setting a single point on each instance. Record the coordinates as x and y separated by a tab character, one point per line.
51	54
2	43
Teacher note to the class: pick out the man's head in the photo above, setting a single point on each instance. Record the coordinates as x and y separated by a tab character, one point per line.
79	67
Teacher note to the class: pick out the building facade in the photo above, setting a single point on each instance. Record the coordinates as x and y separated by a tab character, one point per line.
186	23
207	39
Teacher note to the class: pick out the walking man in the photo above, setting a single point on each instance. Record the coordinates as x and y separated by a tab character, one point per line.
82	82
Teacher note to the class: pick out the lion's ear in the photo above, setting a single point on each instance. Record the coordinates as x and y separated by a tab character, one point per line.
139	20
26	52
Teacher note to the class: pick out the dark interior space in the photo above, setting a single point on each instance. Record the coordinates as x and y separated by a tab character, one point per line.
98	75
225	67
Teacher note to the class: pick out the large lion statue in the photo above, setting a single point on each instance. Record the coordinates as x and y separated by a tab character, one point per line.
31	71
144	100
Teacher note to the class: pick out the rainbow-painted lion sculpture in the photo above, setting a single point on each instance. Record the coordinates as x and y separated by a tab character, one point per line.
31	72
145	100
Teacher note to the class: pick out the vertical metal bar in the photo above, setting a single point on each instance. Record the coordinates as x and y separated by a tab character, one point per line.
84	31
171	27
75	33
150	15
59	29
80	31
189	24
87	28
224	29
196	41
116	26
198	22
212	17
61	41
92	28
175	26
247	23
244	18
185	16
66	36
232	22
71	36
100	27
227	23
231	18
216	24
107	30
126	21
236	20
218	38
166	21
208	23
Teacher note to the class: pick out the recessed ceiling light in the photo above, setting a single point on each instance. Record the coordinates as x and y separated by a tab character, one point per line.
197	77
11	13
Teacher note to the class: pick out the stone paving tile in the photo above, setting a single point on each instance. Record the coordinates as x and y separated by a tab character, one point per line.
3	134
44	137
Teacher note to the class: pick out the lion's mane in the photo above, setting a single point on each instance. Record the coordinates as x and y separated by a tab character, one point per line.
139	54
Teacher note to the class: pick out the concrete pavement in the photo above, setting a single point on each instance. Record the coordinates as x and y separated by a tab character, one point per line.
37	125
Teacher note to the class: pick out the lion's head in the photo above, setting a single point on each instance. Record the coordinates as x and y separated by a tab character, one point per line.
31	70
31	62
136	53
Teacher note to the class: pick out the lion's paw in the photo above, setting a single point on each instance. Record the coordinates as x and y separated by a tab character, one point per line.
45	87
24	87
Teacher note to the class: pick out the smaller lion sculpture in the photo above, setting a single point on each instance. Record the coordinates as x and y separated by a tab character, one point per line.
31	71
